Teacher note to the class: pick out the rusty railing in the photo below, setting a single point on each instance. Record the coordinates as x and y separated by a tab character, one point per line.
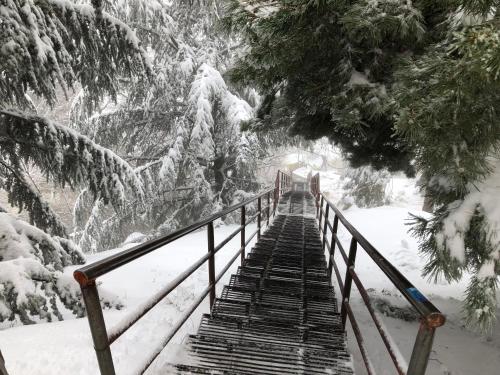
87	275
430	317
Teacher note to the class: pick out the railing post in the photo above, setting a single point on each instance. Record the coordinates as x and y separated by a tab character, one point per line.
346	293
98	328
281	185
325	227
259	216
274	202
268	204
421	349
332	246
211	262
243	223
320	213
276	193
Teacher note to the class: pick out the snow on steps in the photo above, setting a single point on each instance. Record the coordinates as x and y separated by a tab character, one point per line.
278	315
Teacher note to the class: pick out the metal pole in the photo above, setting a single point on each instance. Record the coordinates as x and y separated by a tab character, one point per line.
259	216
211	262
325	227
320	213
332	246
98	328
276	192
421	349
243	210
281	185
346	293
268	204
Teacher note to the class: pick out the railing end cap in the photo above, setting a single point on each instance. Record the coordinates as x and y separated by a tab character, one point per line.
81	278
435	319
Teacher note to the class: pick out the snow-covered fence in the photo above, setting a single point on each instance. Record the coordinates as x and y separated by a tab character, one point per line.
430	317
87	275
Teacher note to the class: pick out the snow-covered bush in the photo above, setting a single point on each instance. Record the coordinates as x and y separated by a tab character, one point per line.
365	187
33	285
31	265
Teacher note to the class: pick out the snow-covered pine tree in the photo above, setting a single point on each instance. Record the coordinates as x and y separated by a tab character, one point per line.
364	187
449	100
203	157
45	45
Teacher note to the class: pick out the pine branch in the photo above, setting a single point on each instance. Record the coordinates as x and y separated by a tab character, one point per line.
42	49
22	195
67	157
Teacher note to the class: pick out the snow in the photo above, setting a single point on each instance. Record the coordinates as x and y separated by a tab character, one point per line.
66	347
482	196
456	350
358	78
207	88
30	264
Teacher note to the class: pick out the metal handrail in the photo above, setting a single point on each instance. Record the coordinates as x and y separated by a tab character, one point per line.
87	275
92	271
431	317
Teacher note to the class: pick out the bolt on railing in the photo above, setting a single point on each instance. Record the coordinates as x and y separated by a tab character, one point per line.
87	275
430	317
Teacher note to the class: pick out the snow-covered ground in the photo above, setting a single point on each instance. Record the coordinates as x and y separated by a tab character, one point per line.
66	347
457	350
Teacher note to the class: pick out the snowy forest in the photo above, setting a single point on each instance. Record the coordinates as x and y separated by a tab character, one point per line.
122	121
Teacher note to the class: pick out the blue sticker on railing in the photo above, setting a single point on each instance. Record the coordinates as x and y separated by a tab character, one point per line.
416	294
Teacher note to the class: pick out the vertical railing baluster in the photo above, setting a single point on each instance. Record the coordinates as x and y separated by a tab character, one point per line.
259	216
276	192
325	226
317	205
320	213
211	262
421	349
98	328
332	246
346	293
281	185
268	204
242	242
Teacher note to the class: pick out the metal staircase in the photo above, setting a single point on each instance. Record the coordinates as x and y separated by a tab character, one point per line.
278	315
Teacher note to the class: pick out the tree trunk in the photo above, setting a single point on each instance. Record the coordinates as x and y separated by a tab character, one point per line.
428	205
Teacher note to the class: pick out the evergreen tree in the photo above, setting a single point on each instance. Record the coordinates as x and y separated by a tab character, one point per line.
45	45
448	109
203	158
365	187
326	69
